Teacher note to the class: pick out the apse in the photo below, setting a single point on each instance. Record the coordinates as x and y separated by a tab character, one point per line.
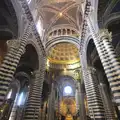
63	53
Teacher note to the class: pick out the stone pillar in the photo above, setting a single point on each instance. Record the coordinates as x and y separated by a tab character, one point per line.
108	58
51	104
59	105
108	106
95	104
48	110
76	99
43	112
30	20
107	100
11	60
81	102
56	102
32	110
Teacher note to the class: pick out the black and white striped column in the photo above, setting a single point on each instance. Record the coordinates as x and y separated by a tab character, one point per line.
11	60
99	46
108	59
32	110
105	94
30	19
95	103
108	106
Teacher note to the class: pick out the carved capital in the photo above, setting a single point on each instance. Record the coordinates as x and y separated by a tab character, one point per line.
91	69
105	34
37	74
13	43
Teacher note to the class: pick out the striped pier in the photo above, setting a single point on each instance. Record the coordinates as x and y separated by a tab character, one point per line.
11	60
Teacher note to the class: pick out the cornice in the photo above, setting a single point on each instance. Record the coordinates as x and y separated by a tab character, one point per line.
60	39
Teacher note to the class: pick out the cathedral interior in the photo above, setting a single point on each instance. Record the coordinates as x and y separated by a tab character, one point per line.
59	59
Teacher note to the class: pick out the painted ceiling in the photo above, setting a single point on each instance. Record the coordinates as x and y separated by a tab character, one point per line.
61	13
56	12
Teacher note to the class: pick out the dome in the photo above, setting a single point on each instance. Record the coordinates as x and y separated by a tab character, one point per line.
63	53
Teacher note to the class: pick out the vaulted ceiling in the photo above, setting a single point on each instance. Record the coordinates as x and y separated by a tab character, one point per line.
59	12
64	53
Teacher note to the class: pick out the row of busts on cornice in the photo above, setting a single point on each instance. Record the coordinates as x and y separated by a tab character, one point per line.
63	32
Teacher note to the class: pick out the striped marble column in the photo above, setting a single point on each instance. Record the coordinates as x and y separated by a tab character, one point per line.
108	59
33	106
51	104
109	111
30	19
105	93
95	103
11	60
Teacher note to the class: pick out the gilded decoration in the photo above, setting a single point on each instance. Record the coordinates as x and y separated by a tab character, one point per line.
63	53
68	106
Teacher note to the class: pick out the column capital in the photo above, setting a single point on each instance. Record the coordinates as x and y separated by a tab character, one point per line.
37	73
13	43
104	33
90	68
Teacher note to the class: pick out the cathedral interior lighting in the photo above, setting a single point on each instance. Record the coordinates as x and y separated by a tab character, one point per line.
67	90
9	94
21	99
60	14
59	59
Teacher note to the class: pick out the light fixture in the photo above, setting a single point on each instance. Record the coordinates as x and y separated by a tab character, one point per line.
60	14
67	90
